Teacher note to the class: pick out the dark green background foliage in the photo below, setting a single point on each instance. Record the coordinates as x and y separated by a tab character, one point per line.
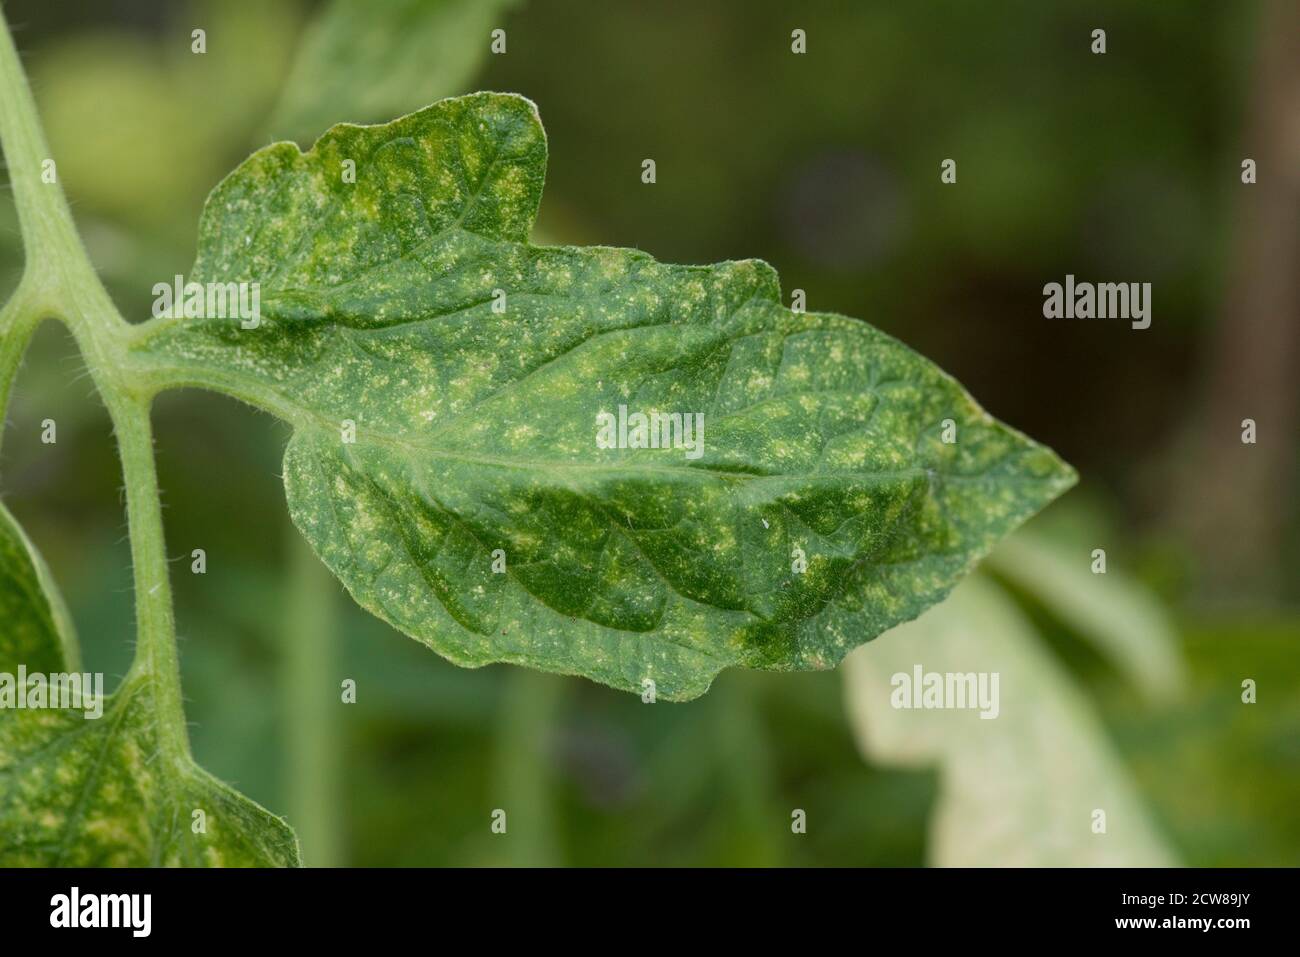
1123	167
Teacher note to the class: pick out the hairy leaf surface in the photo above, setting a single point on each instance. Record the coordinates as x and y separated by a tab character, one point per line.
476	428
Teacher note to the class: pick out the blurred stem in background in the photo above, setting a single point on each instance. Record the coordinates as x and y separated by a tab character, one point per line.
311	697
1238	497
523	777
745	761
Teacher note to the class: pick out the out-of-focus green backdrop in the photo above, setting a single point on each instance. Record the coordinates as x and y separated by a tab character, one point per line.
1117	167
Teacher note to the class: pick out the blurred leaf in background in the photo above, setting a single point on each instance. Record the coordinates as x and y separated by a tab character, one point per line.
1022	788
1122	620
142	128
366	61
1223	775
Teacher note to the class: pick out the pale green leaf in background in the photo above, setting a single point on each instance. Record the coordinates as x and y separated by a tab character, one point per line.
476	428
1119	618
1017	790
112	102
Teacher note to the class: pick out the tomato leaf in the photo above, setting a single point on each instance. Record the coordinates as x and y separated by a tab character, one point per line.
446	382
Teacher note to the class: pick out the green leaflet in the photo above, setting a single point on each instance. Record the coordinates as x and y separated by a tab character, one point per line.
475	430
98	792
363	60
87	792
